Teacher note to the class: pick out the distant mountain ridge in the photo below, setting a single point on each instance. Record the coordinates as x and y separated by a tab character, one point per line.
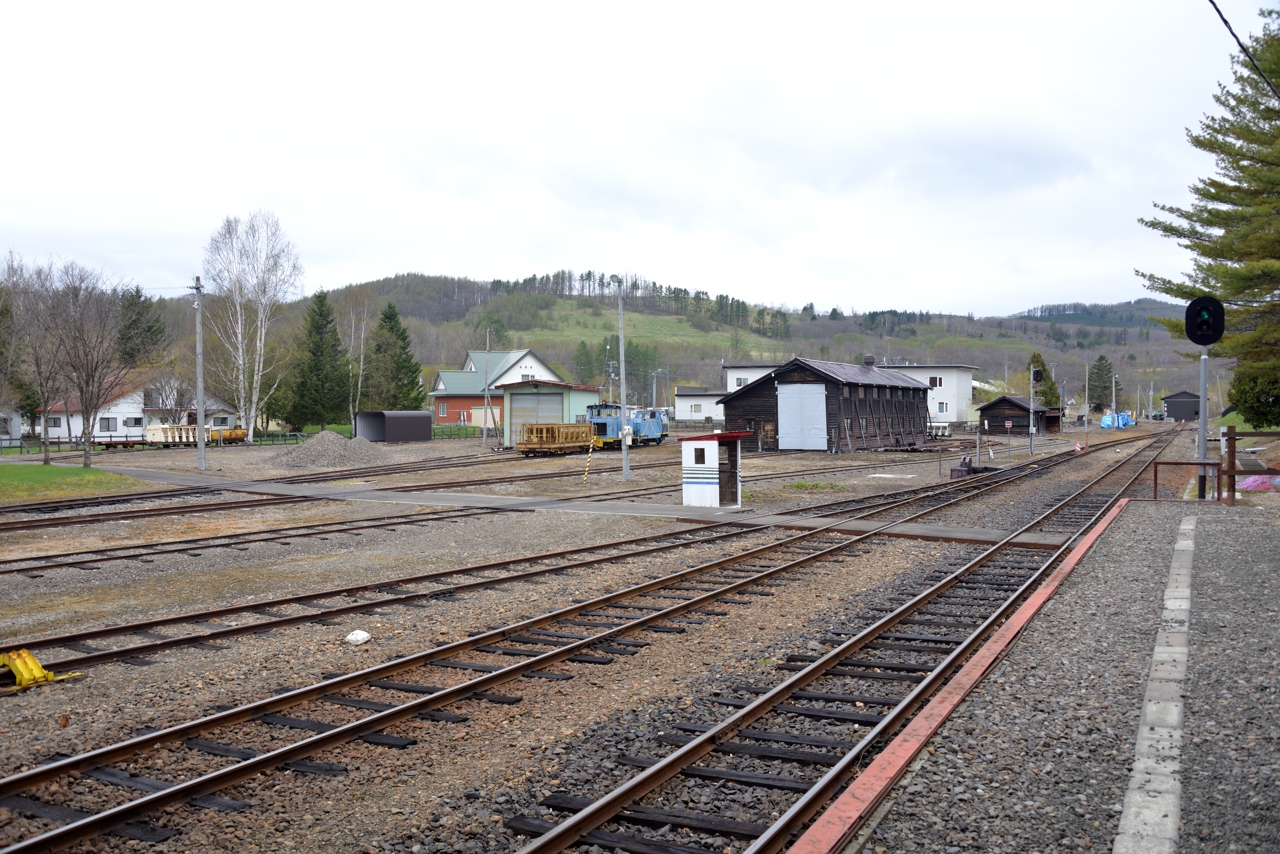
1132	313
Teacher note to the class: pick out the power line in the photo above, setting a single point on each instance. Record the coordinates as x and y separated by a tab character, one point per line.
1227	24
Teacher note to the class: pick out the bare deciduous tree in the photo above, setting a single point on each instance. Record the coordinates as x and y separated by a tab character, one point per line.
358	316
37	303
251	269
109	329
170	393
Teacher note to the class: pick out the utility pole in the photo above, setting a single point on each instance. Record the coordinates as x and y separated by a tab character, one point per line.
1088	408
484	429
1031	411
199	289
622	386
1115	414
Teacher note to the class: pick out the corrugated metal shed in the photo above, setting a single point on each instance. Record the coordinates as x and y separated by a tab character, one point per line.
392	426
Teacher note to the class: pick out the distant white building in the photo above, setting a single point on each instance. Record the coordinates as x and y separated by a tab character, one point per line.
736	376
697	403
10	428
950	389
126	416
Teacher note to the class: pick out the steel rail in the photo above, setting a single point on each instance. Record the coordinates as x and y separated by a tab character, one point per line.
94	825
571	831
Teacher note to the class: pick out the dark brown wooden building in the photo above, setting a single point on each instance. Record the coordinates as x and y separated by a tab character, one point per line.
1014	409
810	405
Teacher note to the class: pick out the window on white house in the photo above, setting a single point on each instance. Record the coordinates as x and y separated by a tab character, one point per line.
133	422
742	381
700	456
942	406
526	378
444	410
695	408
221	421
935	382
106	425
55	420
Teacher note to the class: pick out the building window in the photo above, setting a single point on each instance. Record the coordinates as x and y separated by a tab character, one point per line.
55	420
699	456
526	378
106	425
935	382
221	421
444	409
695	408
942	406
742	381
133	422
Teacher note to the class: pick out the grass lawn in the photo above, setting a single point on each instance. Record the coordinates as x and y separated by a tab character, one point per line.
26	482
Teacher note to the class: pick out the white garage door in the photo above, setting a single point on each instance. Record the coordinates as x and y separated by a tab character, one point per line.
802	417
537	409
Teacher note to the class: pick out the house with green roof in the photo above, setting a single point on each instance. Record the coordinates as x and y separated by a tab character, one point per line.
457	397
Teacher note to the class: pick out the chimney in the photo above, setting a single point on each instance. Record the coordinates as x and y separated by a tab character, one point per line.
869	361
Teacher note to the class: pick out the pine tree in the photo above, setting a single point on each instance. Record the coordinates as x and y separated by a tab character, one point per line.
583	362
1100	374
1233	228
395	377
320	384
1047	390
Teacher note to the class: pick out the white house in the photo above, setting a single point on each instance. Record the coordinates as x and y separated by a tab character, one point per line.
126	417
697	403
950	389
736	376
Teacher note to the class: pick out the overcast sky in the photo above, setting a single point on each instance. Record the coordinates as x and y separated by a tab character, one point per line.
946	156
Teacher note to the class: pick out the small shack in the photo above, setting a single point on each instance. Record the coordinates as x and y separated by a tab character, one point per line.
812	405
711	469
394	426
543	402
1014	410
1181	406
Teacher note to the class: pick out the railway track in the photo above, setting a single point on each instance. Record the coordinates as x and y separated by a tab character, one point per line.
425	466
264	615
861	688
592	633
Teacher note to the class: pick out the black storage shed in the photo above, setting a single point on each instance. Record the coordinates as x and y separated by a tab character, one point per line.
813	405
384	426
1182	406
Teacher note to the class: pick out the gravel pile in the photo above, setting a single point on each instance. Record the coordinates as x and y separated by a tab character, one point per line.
328	450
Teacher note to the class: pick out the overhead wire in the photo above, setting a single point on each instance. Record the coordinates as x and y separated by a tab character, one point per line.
1245	50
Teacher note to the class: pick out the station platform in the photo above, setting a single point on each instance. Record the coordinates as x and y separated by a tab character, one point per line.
1138	711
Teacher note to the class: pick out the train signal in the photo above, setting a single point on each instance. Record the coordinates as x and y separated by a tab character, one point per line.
1037	376
1206	320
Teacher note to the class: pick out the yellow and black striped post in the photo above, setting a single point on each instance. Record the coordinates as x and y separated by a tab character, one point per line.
590	448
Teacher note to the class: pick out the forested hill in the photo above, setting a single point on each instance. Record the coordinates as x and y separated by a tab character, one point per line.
570	319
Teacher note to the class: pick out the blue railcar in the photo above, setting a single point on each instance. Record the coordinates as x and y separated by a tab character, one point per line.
648	426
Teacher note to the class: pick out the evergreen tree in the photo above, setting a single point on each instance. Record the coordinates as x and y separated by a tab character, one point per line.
1100	374
584	362
395	377
1047	390
321	379
1233	228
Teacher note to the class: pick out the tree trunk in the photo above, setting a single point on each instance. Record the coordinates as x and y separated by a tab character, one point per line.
44	433
86	434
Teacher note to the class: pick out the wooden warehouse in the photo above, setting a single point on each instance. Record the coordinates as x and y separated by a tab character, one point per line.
810	405
1013	410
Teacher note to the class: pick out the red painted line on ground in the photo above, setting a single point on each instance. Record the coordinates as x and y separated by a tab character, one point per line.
831	831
